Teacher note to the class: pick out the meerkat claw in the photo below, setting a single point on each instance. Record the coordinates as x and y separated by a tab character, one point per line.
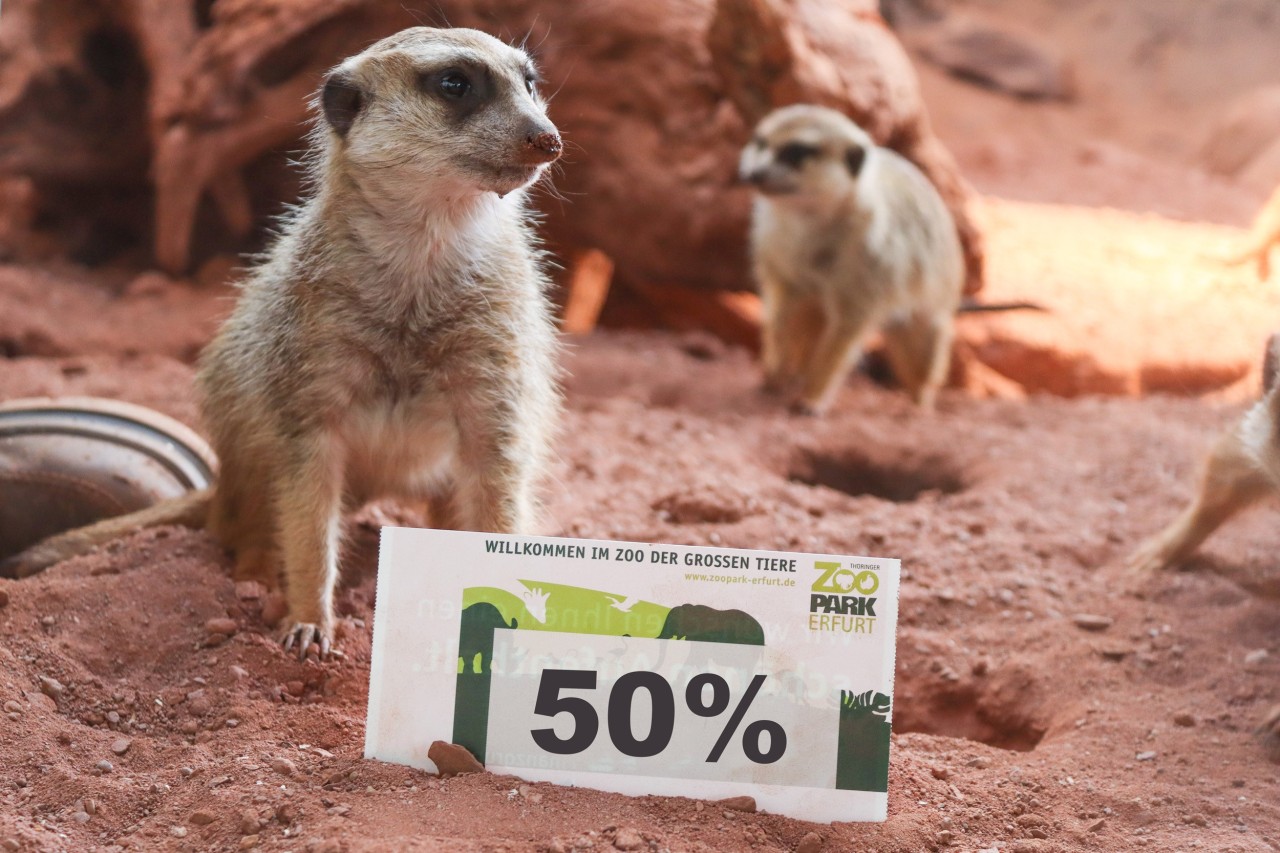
303	634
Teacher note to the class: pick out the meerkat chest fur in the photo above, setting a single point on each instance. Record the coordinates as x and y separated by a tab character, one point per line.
404	301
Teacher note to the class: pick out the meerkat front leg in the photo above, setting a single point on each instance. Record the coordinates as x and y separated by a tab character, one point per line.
309	509
830	361
776	351
442	508
1232	481
495	471
919	350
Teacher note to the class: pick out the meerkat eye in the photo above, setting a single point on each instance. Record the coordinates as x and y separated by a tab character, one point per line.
794	154
530	83
455	85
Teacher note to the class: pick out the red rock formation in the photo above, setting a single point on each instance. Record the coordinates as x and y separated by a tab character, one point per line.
655	100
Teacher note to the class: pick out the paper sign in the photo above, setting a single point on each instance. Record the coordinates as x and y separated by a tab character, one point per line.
640	668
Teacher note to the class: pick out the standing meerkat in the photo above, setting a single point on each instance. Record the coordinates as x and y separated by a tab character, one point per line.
848	237
1243	467
396	339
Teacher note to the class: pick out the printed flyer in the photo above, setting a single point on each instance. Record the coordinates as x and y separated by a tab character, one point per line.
640	668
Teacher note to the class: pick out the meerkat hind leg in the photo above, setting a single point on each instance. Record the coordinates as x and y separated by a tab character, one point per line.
1231	482
919	351
242	517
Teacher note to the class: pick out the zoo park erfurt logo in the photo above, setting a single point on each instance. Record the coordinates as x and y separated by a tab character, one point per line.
842	599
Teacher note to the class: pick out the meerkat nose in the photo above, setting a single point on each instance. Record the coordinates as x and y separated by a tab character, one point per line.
543	146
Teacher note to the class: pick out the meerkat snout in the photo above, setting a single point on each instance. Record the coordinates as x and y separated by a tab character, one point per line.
544	146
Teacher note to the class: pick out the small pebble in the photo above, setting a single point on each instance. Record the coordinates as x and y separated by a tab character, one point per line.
221	625
274	607
51	687
239	671
1184	719
940	773
105	766
248	842
1145	756
4	598
811	843
178	831
201	818
946	837
738	804
80	817
1092	622
452	759
1097	824
627	838
249	823
12	707
121	745
284	766
1255	656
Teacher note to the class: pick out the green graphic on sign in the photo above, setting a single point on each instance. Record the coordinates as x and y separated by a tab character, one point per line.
862	763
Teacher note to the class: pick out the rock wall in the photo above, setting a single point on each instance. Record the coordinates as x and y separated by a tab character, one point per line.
98	98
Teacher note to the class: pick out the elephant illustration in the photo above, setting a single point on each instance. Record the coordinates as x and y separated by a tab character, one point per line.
709	625
479	621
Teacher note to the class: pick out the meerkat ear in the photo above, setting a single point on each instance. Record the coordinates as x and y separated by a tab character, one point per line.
854	158
341	101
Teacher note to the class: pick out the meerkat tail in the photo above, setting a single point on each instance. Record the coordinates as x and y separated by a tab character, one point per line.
189	510
969	305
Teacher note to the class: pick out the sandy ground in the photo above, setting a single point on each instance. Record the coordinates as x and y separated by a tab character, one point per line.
130	722
1015	728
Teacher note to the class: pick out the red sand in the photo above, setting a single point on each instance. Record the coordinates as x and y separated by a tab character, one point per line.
1015	728
1012	722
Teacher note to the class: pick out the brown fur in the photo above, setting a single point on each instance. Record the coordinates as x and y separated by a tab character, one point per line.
848	238
396	340
1242	467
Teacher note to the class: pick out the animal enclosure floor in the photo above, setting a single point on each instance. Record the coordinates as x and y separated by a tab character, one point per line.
1014	727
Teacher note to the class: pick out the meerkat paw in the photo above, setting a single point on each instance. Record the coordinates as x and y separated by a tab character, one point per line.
1268	732
776	384
303	634
1151	557
807	408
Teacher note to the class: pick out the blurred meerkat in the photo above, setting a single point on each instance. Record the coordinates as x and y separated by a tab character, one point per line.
1264	235
1243	466
396	340
847	238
